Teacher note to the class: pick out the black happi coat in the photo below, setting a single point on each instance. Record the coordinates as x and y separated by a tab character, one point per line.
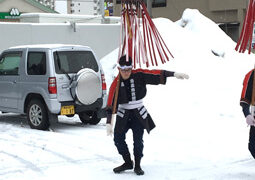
134	89
246	95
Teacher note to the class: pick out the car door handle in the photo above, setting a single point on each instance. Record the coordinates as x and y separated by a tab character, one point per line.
14	82
65	86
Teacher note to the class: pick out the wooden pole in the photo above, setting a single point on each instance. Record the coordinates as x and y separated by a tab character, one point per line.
116	94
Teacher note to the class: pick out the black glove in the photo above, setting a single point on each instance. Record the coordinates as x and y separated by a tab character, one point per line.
168	73
108	115
108	118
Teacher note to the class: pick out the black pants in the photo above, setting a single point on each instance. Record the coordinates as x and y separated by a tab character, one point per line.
251	144
120	138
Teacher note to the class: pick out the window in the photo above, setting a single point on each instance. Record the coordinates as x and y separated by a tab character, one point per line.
9	63
158	3
73	61
36	63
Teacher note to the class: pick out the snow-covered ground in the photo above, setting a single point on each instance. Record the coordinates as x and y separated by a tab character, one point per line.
201	132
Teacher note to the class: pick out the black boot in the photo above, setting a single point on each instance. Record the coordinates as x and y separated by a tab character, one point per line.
138	170
127	165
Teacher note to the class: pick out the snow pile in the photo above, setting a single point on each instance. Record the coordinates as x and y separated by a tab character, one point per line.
198	25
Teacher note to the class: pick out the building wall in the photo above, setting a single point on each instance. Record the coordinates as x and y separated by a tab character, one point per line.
85	7
214	9
102	38
81	7
220	11
68	7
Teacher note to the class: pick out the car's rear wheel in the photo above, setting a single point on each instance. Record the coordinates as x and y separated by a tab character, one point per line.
37	115
89	118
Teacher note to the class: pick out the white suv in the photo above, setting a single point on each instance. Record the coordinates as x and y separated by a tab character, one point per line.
45	81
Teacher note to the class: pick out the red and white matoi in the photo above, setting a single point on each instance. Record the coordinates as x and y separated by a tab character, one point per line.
139	37
246	39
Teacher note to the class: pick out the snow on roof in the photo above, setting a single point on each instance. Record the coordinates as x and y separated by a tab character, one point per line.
47	46
53	15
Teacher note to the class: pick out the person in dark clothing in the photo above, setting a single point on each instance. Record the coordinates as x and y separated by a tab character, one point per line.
247	103
129	87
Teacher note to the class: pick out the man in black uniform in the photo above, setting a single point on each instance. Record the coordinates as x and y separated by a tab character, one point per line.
131	113
245	102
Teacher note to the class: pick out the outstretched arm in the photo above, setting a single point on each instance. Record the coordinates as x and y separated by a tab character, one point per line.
157	76
175	74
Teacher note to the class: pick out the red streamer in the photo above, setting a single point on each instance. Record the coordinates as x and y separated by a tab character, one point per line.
144	46
246	36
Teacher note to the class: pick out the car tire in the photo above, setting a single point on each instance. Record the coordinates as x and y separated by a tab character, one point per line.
89	87
94	119
37	115
89	118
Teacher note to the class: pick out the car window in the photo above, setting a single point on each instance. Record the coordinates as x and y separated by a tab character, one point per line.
9	63
36	63
73	61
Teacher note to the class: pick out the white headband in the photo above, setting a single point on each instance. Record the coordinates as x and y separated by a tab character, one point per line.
125	67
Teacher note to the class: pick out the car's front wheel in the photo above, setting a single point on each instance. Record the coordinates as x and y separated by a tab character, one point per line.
37	115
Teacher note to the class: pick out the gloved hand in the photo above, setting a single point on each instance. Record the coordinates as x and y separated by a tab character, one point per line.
250	120
108	118
109	129
181	75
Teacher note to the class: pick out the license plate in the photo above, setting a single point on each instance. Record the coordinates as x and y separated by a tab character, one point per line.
66	110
